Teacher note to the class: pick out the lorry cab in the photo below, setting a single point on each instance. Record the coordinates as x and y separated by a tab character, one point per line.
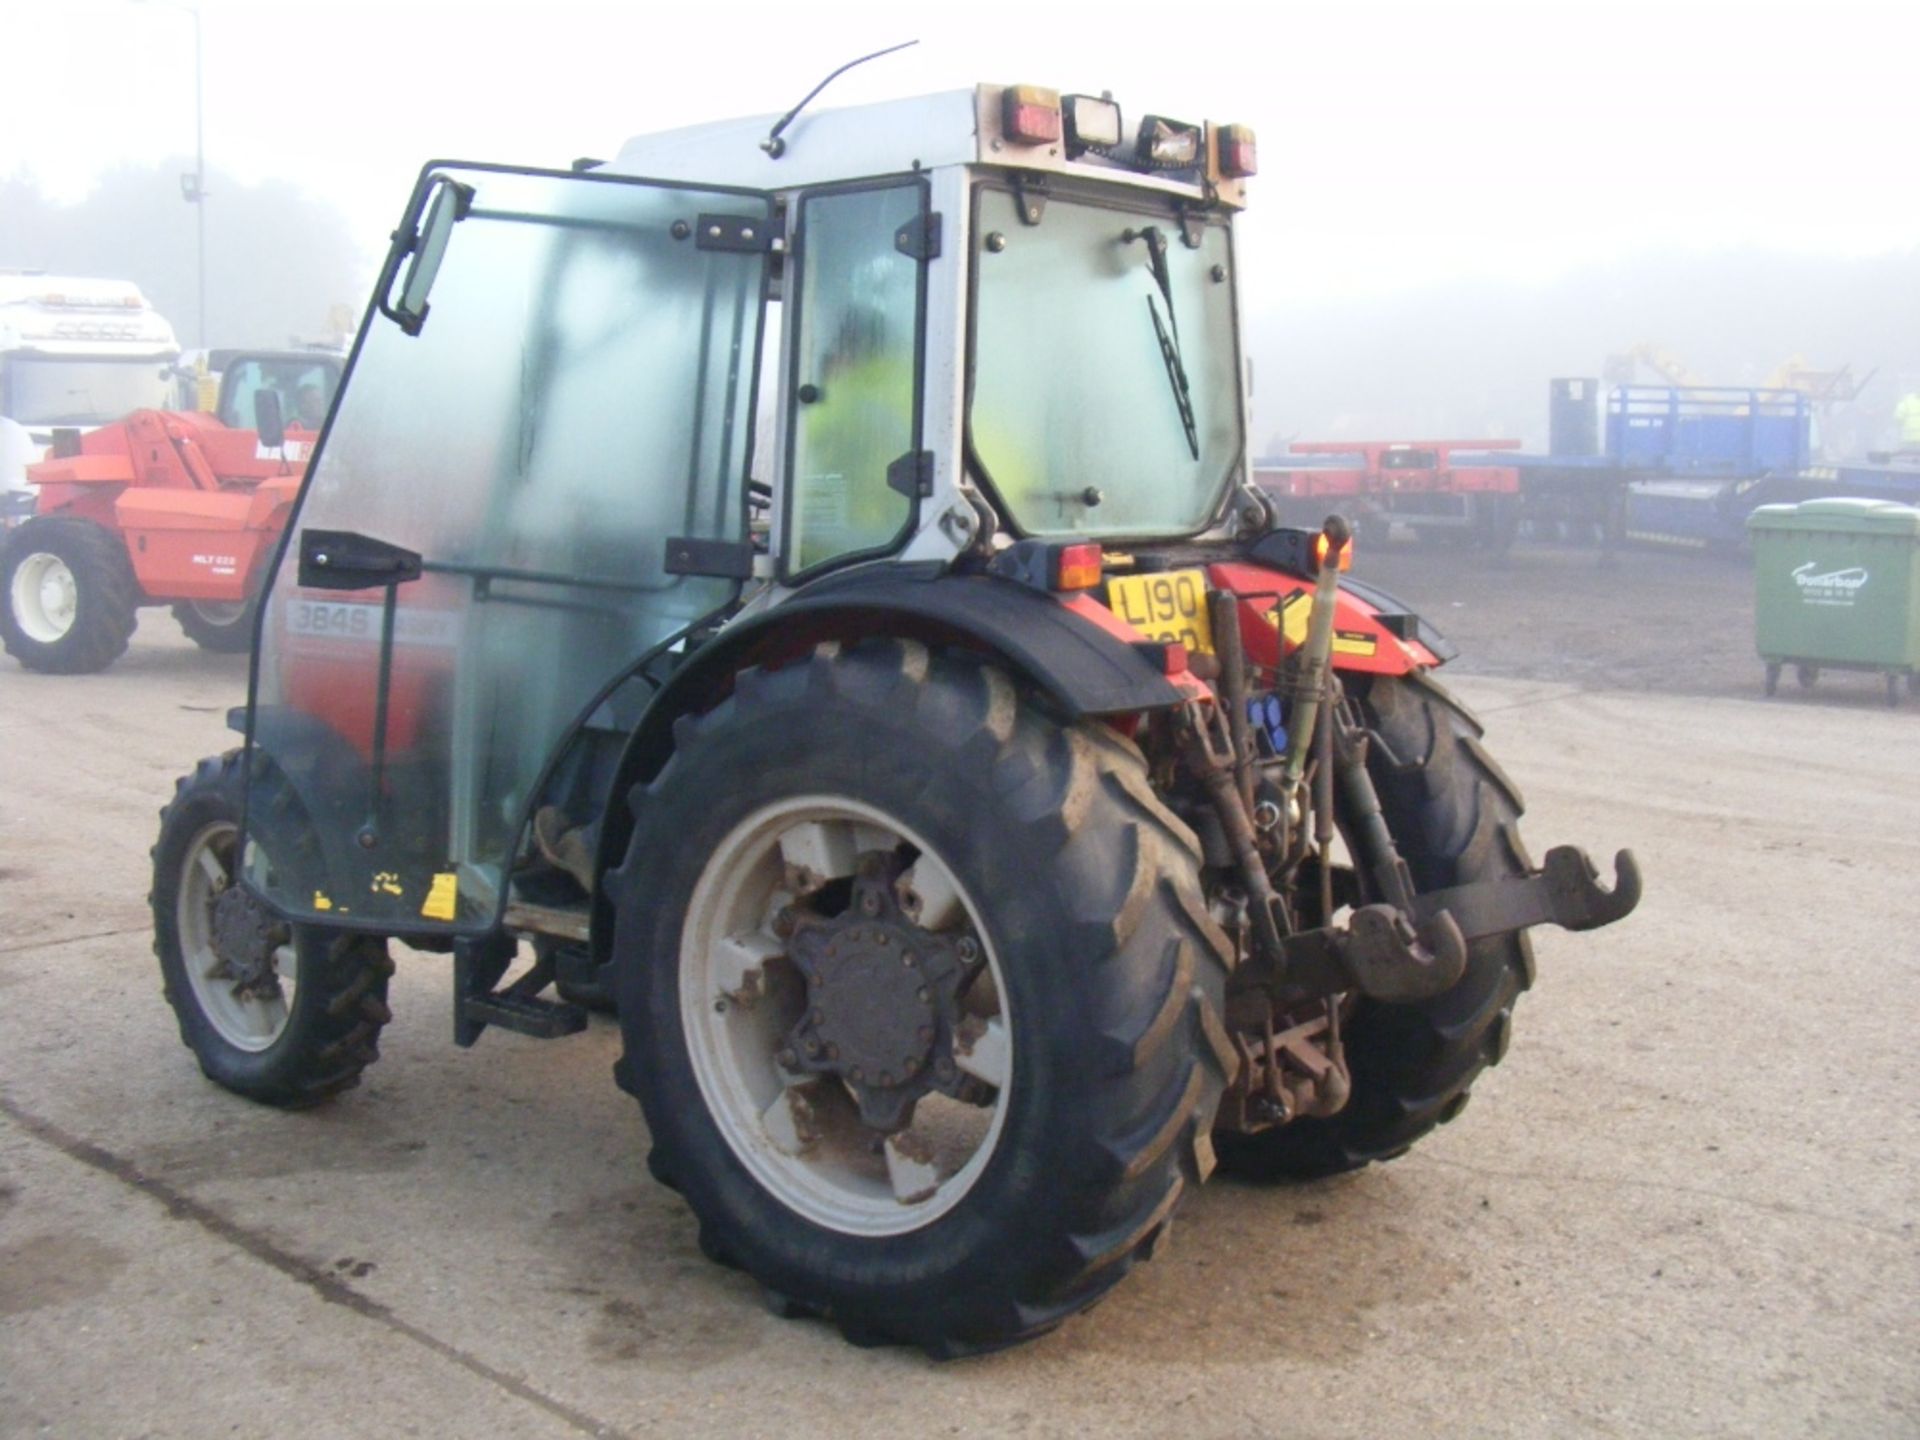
75	353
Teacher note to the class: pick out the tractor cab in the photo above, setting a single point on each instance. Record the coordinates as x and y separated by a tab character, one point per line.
596	415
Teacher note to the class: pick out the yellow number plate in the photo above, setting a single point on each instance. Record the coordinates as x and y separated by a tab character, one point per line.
1170	607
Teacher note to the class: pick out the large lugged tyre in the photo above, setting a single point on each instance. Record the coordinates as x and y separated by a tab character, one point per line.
224	627
285	1014
1455	817
71	600
1107	979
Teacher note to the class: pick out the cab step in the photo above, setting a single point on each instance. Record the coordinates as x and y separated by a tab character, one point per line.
479	1000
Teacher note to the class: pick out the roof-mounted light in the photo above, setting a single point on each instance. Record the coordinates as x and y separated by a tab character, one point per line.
1234	146
1168	144
1030	114
1093	123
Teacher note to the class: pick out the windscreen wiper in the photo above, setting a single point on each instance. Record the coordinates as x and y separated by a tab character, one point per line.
1167	331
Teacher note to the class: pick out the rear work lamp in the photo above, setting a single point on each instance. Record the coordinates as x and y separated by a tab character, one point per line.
1093	123
1168	144
1030	114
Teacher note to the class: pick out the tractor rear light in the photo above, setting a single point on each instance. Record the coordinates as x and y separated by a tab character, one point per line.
1041	565
1167	144
1078	567
1093	123
1236	151
1031	114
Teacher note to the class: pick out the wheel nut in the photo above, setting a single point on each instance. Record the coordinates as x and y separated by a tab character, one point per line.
786	1059
968	949
908	961
812	1046
923	995
720	1006
870	903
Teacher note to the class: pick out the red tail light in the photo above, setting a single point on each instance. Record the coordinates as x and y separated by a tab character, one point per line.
1031	114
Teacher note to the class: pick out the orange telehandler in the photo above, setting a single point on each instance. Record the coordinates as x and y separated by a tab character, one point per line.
160	508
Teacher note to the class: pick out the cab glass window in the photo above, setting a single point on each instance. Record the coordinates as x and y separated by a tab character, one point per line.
855	374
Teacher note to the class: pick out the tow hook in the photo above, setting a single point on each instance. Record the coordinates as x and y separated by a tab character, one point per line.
1388	954
1565	892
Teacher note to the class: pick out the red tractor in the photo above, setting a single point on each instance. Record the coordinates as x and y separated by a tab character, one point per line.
985	817
161	508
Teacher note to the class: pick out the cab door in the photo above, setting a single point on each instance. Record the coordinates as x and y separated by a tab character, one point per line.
533	480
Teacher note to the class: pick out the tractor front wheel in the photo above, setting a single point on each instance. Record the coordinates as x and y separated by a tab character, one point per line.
285	1014
71	597
919	996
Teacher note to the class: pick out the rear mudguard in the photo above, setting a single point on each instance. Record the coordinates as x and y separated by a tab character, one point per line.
1073	649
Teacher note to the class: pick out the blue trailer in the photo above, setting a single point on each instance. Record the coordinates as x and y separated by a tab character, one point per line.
1685	465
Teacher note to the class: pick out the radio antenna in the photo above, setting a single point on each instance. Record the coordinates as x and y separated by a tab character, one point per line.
773	144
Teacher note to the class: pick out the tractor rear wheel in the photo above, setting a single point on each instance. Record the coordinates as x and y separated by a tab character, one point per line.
224	627
1455	819
919	996
71	597
285	1014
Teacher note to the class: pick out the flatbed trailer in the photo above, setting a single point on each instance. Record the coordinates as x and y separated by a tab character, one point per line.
1418	482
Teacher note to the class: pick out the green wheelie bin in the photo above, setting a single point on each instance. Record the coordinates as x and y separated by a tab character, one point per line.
1837	587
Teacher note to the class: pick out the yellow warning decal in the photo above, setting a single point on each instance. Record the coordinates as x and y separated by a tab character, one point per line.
320	900
1291	617
442	899
386	882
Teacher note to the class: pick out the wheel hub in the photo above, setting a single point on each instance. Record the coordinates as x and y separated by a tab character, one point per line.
245	935
883	1000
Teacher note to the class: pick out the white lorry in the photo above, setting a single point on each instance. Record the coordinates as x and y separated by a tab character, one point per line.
74	353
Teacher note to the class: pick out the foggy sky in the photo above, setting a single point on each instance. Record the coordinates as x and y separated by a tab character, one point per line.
1408	154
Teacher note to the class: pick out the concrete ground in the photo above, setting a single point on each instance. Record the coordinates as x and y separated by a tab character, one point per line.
1685	1205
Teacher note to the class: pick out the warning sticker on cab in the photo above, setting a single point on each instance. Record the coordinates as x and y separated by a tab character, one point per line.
443	897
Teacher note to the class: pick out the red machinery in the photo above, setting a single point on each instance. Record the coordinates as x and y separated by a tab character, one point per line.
1415	481
159	508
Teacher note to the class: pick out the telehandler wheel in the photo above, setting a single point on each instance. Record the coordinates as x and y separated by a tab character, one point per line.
224	627
918	995
1455	817
71	599
285	1014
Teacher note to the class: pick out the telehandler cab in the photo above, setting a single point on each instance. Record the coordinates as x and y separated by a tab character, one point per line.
813	596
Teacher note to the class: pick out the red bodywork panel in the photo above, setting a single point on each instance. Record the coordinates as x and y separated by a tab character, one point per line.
1274	607
199	509
1273	622
1390	467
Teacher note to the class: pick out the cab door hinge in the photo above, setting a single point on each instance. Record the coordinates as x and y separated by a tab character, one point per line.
912	474
920	237
741	234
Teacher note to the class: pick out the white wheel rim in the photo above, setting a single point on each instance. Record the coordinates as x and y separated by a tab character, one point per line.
45	597
800	1134
245	1019
219	612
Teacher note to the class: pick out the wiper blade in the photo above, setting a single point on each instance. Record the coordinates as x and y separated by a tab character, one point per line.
1168	330
1176	376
